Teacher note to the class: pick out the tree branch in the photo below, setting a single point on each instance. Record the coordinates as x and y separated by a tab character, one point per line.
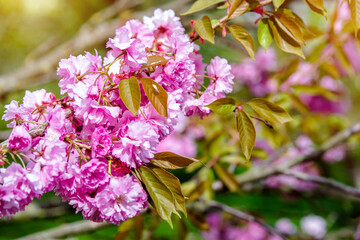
350	191
66	230
42	70
34	132
35	71
245	216
257	173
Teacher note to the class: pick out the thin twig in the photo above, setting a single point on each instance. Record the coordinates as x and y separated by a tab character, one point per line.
42	70
325	182
245	216
257	173
34	132
66	230
277	154
268	124
36	72
39	131
345	233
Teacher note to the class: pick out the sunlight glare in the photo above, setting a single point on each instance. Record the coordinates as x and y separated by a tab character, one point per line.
39	6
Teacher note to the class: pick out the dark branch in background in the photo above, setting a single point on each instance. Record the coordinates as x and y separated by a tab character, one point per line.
258	173
66	230
95	31
38	71
350	191
245	216
42	70
85	226
346	233
252	175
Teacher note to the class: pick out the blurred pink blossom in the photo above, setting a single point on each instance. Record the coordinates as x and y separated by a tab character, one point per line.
314	226
255	74
285	226
303	146
335	154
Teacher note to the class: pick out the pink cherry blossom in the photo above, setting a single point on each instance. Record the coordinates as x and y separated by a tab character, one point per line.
256	74
335	154
16	190
220	75
122	198
101	141
19	138
314	226
136	145
285	226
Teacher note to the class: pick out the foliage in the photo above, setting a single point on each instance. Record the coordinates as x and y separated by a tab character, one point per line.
269	137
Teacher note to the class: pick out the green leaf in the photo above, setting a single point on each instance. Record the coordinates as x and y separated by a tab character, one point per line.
129	91
183	229
355	15
343	59
200	5
199	220
124	229
244	38
240	10
317	6
227	178
247	133
330	69
290	26
233	6
204	28
223	105
193	191
173	184
159	193
293	15
155	60
278	3
171	160
214	22
282	40
298	104
315	90
156	95
264	34
269	111
284	33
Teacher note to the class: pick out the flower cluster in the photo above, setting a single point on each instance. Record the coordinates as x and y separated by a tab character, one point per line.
88	145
